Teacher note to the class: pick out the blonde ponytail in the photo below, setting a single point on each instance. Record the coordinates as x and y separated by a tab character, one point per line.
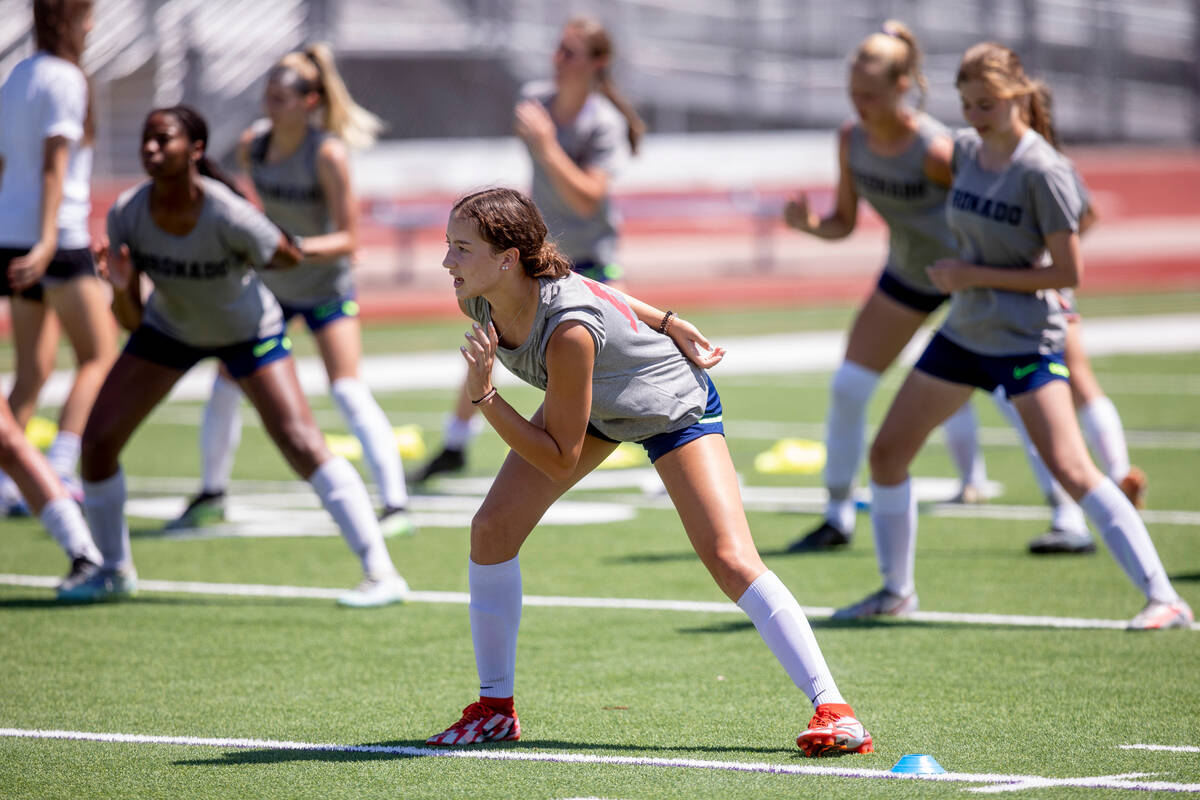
896	49
343	117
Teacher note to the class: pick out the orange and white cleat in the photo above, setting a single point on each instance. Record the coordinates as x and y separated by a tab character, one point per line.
479	724
1134	487
832	730
1158	616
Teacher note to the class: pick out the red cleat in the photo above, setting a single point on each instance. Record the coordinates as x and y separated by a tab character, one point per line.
833	729
479	724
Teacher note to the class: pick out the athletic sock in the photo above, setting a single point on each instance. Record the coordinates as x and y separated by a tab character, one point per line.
63	453
459	432
1065	514
368	422
64	522
962	440
345	497
495	617
845	431
220	433
104	505
782	625
1105	434
1127	538
501	705
894	520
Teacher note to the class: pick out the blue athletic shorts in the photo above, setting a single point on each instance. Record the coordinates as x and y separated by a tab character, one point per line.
242	359
902	294
600	273
1017	374
320	315
660	444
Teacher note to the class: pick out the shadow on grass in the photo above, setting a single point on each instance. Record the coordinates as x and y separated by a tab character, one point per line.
741	625
690	555
1186	576
281	755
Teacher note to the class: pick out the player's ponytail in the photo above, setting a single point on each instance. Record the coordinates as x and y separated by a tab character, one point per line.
313	69
508	219
599	46
897	51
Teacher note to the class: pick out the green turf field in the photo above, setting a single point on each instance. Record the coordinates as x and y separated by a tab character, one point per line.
657	689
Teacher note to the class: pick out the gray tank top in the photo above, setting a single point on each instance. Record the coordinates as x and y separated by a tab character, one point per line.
292	197
913	206
641	384
595	138
206	292
1001	219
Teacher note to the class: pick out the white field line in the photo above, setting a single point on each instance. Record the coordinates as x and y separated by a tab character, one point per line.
752	355
995	782
1169	748
544	601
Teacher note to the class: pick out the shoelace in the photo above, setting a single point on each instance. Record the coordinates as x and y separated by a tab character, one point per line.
473	712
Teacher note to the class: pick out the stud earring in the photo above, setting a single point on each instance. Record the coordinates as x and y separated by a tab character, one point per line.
505	266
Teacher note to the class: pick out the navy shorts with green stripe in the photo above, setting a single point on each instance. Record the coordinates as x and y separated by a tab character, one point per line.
1017	374
660	444
241	359
320	315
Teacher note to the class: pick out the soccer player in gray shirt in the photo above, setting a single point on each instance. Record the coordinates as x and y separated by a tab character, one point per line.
897	158
613	369
1015	208
200	243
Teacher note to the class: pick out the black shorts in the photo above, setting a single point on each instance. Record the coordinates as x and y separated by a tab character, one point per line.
65	265
906	295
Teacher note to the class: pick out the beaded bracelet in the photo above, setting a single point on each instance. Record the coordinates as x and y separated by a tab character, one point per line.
666	321
492	393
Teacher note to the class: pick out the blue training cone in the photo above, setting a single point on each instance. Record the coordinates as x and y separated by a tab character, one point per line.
918	764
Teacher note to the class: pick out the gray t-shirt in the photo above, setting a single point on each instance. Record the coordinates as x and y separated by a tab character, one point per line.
292	197
913	206
596	138
1002	219
641	384
206	292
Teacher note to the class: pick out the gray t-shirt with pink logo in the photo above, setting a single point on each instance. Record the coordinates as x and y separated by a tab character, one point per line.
642	385
206	292
1001	219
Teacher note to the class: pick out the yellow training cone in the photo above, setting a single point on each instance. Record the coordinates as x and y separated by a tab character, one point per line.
791	457
410	441
626	455
40	432
348	447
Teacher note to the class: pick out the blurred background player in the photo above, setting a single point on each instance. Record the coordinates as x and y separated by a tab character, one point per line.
897	158
579	130
46	132
200	243
1015	208
613	369
301	175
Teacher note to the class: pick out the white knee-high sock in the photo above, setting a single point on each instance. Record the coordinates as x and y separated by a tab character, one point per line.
845	430
345	497
962	440
368	422
220	433
63	453
64	522
104	505
782	625
1065	514
459	433
894	519
1102	426
1127	538
495	617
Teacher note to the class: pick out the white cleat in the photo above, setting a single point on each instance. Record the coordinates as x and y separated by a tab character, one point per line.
376	592
1160	616
880	604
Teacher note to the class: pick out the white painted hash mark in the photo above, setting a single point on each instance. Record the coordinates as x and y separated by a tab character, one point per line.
615	603
999	782
1169	748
